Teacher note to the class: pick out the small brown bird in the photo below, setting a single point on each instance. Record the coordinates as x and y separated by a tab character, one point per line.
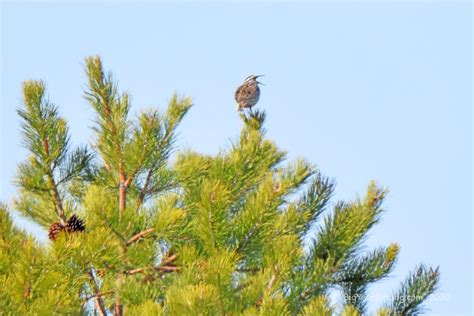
248	93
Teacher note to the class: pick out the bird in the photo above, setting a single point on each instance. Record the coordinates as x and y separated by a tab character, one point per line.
248	93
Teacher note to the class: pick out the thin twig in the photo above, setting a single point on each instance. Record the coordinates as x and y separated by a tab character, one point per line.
164	267
140	235
269	286
272	280
135	271
141	196
159	268
57	198
118	308
96	295
167	268
169	259
54	187
99	302
122	191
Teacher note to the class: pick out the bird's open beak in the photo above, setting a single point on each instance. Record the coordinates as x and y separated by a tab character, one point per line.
258	76
260	83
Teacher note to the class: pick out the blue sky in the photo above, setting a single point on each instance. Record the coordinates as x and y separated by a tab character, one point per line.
365	90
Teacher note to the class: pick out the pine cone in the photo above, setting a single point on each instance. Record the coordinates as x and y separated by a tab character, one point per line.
75	224
54	230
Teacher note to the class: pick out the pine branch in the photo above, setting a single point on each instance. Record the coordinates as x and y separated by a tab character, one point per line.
159	268
254	120
169	259
99	303
268	288
76	166
358	272
112	110
270	283
315	199
346	228
141	195
140	235
416	288
163	267
146	140
57	199
46	136
87	298
118	307
164	137
238	220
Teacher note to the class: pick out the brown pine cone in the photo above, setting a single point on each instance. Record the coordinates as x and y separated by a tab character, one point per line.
54	230
75	224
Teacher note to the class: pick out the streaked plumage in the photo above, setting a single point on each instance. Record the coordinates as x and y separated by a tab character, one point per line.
248	93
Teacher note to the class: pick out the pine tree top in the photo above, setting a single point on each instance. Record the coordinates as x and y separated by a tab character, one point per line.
136	231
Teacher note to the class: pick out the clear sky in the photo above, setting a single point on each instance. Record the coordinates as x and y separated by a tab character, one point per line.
366	90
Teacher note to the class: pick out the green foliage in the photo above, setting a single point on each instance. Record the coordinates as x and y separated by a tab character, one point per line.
188	233
350	310
32	281
52	165
318	306
359	271
416	288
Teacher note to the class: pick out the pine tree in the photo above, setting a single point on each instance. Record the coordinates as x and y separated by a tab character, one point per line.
138	228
